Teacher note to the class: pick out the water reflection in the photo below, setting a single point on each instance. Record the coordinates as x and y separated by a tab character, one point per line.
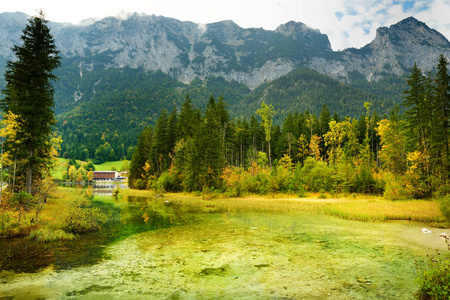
126	216
102	188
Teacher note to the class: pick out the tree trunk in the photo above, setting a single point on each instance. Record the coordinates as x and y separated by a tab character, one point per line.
270	157
29	174
29	178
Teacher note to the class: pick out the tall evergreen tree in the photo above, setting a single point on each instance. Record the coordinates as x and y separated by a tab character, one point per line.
29	95
415	105
441	109
140	155
187	120
159	155
266	113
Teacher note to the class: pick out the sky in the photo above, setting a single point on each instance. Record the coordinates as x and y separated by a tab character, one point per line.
348	23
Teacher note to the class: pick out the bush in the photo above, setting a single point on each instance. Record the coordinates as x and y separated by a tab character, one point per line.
166	183
433	276
47	235
365	183
280	180
394	188
444	206
140	184
317	176
77	217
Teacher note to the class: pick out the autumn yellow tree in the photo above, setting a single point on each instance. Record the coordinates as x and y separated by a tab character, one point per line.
392	153
303	147
314	146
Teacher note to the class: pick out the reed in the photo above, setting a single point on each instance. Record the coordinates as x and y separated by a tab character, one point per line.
46	235
357	207
384	210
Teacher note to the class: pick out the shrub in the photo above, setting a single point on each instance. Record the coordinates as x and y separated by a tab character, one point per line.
317	176
280	179
139	184
77	217
394	188
166	182
365	183
433	276
47	235
444	206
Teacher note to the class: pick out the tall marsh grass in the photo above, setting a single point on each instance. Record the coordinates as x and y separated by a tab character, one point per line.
369	209
384	210
46	235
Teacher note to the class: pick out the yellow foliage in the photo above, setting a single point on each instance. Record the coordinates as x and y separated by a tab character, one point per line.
314	146
302	146
415	159
286	162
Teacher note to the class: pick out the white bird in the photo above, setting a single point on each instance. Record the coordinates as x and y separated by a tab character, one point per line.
424	230
444	235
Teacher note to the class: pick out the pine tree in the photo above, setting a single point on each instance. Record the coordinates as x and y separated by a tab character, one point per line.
29	95
140	155
266	113
441	107
187	120
159	155
415	105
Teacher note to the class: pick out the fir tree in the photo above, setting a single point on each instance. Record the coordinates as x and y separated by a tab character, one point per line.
29	95
140	155
441	108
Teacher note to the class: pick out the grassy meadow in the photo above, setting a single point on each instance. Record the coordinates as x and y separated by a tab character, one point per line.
358	208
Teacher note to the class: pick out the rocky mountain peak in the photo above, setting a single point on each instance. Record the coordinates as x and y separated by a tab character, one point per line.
301	32
409	31
187	50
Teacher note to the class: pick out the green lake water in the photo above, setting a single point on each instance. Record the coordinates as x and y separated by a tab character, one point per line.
152	248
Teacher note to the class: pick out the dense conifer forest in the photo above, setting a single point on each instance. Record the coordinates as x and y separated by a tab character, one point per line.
401	155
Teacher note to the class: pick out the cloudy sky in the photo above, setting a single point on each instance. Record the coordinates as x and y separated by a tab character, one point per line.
348	23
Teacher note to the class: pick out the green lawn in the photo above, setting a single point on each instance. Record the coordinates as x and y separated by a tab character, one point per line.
108	166
61	166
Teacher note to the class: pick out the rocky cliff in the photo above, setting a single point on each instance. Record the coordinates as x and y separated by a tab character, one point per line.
187	50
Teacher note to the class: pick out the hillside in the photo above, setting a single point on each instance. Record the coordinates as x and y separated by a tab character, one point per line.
117	75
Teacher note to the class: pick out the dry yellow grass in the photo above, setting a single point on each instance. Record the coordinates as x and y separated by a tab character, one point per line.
359	208
384	210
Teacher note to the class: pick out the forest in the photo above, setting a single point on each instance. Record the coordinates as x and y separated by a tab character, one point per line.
105	122
403	155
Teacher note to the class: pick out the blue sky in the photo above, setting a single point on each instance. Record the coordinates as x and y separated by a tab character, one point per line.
348	23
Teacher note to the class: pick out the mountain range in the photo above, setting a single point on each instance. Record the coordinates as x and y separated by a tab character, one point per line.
117	74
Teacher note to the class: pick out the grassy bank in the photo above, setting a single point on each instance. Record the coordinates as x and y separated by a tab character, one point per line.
64	207
359	208
66	214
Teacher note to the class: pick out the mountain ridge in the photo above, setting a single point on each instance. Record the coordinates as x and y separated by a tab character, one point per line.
187	50
118	74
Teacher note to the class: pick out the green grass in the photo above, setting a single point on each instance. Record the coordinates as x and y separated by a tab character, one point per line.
369	209
107	166
46	235
59	169
61	166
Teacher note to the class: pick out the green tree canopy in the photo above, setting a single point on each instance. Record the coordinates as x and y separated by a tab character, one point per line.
29	95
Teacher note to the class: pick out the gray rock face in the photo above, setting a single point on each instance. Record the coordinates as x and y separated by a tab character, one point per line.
251	56
393	51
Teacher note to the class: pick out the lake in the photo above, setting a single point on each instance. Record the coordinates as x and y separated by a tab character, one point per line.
154	248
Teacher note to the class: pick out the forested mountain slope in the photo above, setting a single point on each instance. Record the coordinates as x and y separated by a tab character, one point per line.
118	74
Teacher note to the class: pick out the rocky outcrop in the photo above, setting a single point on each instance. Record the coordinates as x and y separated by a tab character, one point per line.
393	51
187	50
